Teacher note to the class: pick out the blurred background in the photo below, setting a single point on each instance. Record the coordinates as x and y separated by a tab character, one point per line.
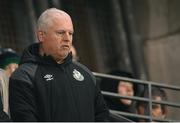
141	36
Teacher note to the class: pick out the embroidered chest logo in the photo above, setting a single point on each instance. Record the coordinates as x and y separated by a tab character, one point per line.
48	77
77	75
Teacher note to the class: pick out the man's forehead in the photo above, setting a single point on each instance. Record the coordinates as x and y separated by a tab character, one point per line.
62	22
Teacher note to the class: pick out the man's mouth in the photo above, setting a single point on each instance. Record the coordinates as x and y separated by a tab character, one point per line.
65	46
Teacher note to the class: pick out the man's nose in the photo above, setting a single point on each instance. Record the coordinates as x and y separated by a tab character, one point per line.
67	36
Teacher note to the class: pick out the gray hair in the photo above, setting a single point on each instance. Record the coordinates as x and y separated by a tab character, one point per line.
46	18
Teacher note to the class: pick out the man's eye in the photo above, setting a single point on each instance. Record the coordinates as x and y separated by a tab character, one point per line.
60	33
71	33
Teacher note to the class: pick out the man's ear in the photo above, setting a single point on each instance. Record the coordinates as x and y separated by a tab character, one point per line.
40	36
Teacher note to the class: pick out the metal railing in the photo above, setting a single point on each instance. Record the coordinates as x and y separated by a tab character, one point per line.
150	101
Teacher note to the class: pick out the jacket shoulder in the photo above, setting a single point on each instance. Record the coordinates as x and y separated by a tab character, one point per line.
25	72
87	70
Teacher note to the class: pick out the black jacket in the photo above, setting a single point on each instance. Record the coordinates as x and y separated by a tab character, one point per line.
42	90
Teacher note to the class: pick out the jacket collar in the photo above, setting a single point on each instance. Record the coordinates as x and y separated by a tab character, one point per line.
31	54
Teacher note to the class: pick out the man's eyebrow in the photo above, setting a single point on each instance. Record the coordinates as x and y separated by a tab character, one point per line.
62	30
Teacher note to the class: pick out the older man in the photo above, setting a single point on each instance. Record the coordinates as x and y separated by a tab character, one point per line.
48	85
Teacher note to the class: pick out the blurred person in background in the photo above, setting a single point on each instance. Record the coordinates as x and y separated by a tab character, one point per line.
74	54
9	61
122	88
158	110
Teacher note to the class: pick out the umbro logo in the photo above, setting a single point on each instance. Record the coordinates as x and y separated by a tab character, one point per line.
48	77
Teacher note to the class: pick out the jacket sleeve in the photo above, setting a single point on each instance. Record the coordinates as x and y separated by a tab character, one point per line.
22	100
101	110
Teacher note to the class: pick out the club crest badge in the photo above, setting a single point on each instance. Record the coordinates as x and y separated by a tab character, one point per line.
77	75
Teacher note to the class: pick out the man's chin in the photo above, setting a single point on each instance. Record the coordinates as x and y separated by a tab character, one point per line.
63	56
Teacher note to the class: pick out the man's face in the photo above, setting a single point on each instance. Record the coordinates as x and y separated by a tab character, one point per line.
74	54
125	89
57	40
